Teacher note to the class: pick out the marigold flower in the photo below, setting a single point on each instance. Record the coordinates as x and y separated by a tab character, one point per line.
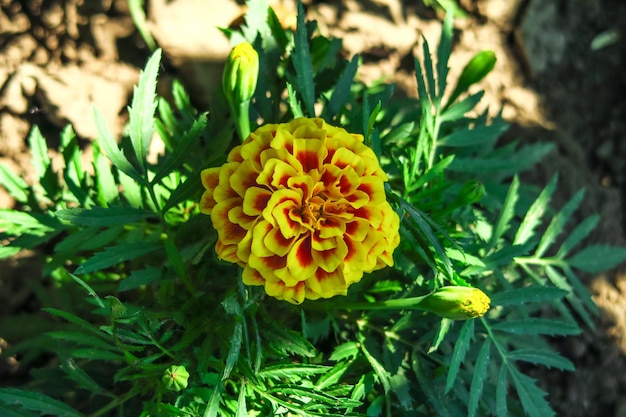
301	207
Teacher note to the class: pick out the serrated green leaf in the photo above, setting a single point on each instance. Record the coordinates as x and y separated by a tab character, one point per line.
34	401
429	71
425	230
501	393
105	182
213	407
233	352
524	158
40	160
181	151
443	55
478	378
422	94
504	256
100	216
345	350
14	184
458	355
533	294
541	357
303	394
341	91
83	339
477	136
377	367
108	144
142	109
531	396
557	225
535	213
115	255
443	405
140	277
81	377
459	109
577	300
534	326
301	58
598	258
292	371
256	20
242	410
17	412
444	326
97	355
19	222
581	231
507	213
131	191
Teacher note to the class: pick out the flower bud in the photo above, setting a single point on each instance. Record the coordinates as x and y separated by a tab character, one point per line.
175	378
478	67
457	303
240	74
472	192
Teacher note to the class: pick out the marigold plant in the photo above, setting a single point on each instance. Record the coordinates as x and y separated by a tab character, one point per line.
301	207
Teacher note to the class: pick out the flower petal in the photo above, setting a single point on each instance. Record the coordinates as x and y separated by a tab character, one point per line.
300	260
327	284
331	259
255	200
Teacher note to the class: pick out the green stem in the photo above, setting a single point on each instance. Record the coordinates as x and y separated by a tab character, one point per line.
242	119
411	303
118	401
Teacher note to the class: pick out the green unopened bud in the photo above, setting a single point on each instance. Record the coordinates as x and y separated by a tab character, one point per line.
175	378
478	67
472	192
118	310
457	303
240	74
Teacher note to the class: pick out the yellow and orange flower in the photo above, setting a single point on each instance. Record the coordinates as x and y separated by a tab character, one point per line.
301	207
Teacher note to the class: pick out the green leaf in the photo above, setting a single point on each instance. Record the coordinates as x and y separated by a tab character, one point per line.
443	405
301	58
345	350
14	184
541	357
115	255
142	109
531	396
233	352
292	371
443	54
242	410
478	136
140	277
501	393
598	258
213	407
256	20
478	378
377	367
14	412
303	394
533	294
524	158
81	377
507	213
292	101
108	144
83	339
557	225
430	72
458	110
535	213
580	232
341	91
425	230
534	326
100	216
421	85
191	187
444	326
137	13
458	355
181	152
40	159
37	402
105	182
131	191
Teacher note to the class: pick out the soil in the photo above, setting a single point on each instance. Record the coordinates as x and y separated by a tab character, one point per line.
559	78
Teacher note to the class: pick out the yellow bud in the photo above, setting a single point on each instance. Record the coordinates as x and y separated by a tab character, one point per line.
240	74
457	303
175	378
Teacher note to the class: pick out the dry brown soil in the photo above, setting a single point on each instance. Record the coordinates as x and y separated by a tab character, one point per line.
559	78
